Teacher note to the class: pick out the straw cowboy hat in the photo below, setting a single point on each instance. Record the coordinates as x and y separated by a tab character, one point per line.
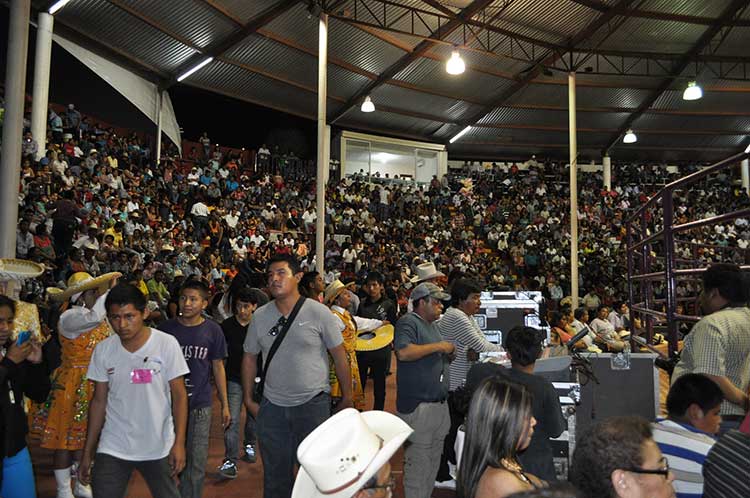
426	271
19	269
347	450
79	283
375	339
334	289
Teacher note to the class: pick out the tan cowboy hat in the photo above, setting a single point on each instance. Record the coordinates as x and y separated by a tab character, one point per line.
80	282
338	458
19	269
334	289
375	339
426	271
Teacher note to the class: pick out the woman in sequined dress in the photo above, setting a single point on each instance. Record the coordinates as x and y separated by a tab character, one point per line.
61	421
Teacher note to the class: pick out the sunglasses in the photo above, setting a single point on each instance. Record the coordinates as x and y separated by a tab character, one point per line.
663	471
277	328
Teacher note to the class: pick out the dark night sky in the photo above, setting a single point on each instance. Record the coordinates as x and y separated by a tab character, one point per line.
229	121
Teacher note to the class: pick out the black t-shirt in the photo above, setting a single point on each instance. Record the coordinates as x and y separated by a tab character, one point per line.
537	458
383	309
234	333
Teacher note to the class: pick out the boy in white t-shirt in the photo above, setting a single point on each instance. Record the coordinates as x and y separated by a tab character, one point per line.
138	415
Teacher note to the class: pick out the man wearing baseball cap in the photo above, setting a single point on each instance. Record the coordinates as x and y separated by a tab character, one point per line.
422	387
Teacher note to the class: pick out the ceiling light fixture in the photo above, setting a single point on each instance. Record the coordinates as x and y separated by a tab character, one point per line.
692	92
367	105
460	134
747	149
455	64
629	137
194	69
57	6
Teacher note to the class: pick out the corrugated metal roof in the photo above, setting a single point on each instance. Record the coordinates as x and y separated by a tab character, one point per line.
699	8
439	107
276	58
361	49
549	21
194	20
654	35
114	27
387	121
727	124
245	10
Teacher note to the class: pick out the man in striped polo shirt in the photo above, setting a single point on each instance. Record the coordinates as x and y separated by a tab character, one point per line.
687	435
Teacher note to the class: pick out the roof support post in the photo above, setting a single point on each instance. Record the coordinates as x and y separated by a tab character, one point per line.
320	177
573	189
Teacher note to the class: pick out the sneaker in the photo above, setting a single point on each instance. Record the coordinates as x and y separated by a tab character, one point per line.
228	469
249	455
446	484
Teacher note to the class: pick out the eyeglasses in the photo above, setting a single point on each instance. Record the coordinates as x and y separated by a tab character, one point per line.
277	328
664	471
390	485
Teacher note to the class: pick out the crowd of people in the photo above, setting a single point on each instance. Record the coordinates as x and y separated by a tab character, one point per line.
156	278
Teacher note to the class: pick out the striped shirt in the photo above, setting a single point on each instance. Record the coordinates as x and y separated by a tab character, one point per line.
726	468
462	330
686	448
719	345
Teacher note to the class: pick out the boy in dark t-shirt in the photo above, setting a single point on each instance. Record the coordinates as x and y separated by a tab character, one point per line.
204	347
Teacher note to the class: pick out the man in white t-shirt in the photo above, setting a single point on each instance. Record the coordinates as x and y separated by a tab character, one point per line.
138	415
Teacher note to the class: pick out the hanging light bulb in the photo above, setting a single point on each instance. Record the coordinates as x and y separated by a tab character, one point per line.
630	137
455	64
692	92
367	105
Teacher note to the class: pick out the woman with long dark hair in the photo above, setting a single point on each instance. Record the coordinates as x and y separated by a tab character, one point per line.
499	425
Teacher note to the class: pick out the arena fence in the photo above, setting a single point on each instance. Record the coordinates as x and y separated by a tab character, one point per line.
651	254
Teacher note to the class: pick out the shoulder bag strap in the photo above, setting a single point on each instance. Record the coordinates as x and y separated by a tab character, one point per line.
282	334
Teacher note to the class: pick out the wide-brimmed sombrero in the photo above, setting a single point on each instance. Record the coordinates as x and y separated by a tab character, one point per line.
81	282
375	339
334	289
19	269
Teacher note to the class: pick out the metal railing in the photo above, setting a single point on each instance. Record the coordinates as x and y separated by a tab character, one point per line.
640	260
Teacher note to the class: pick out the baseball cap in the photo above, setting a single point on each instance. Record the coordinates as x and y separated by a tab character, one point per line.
429	289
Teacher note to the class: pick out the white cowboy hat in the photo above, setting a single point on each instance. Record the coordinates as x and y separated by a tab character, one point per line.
346	451
334	289
426	271
19	269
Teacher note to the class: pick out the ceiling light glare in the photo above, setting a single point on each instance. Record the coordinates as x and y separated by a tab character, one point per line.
630	137
455	64
692	92
57	6
194	69
367	105
460	134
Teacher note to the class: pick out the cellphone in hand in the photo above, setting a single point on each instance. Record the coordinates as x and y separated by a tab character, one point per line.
23	337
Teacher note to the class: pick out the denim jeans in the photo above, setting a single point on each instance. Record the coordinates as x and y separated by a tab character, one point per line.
232	433
196	452
110	477
280	430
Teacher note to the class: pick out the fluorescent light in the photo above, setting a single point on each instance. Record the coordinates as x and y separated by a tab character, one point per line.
692	92
455	64
460	134
747	149
57	6
195	68
367	105
630	137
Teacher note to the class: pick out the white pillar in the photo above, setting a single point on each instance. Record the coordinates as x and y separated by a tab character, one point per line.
745	176
40	99
607	165
15	87
327	149
320	178
158	125
573	188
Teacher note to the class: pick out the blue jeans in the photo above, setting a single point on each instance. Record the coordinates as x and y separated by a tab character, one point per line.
18	476
232	433
196	452
280	430
110	476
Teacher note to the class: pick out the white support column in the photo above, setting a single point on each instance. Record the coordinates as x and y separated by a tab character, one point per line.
158	125
327	148
607	165
40	98
15	87
745	176
573	188
320	178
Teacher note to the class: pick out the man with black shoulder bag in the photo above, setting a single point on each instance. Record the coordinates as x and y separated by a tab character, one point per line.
290	396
